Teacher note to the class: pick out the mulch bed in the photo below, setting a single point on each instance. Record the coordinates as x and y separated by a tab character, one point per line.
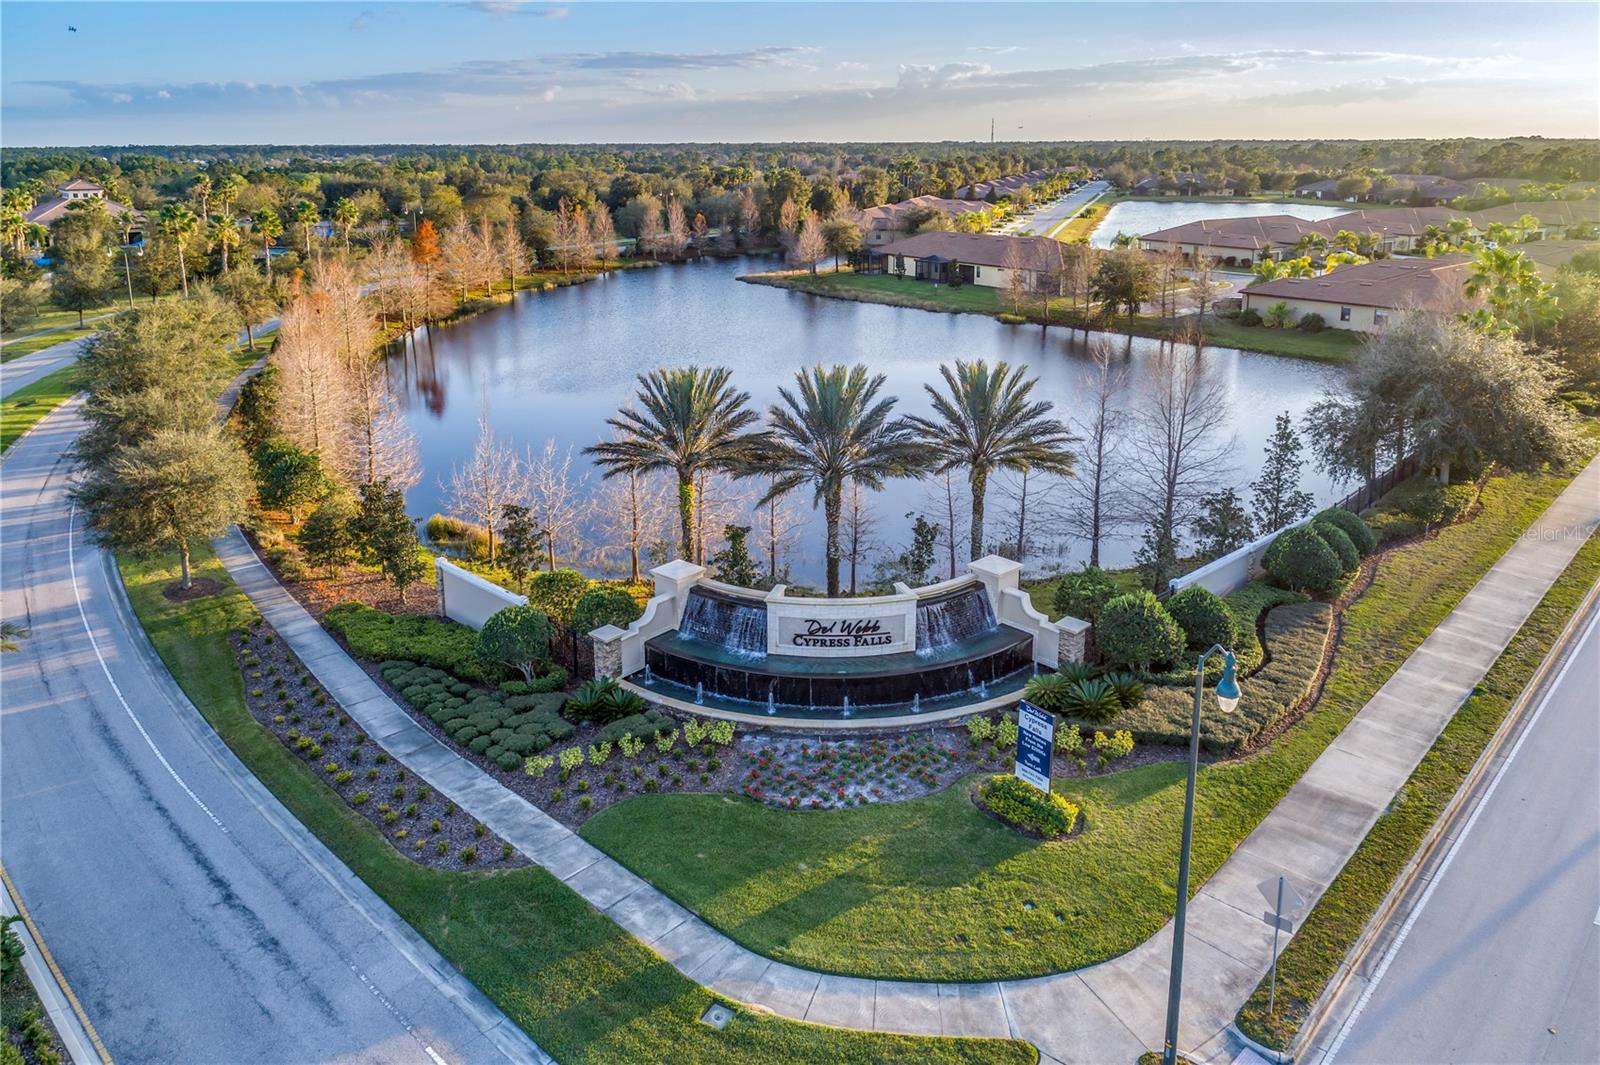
199	588
415	818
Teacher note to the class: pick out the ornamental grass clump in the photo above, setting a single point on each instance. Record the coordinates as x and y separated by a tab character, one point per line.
1024	806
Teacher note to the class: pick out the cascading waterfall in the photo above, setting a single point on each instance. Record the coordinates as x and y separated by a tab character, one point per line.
740	628
945	623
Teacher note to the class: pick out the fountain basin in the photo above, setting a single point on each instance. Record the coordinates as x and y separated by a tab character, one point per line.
976	663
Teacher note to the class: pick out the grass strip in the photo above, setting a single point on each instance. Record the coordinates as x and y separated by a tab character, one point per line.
30	344
1313	957
831	890
583	988
1330	345
25	407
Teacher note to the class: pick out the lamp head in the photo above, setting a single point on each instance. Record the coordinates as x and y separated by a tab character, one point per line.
1228	686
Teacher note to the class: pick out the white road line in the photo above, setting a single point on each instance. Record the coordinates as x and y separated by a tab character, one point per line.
1466	830
72	570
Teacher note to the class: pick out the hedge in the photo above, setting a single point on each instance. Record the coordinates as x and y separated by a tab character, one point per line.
380	637
1297	635
1339	543
647	726
1359	532
503	728
1021	804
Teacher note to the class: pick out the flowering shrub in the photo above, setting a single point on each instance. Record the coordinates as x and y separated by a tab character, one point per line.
571	759
1068	740
1018	803
1108	749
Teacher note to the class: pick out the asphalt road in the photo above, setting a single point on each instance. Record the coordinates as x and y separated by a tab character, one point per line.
197	921
1502	963
1051	216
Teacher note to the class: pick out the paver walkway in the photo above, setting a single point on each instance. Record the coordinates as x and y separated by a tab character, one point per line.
1107	1012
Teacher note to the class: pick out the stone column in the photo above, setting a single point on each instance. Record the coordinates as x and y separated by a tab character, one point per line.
675	579
607	640
1074	640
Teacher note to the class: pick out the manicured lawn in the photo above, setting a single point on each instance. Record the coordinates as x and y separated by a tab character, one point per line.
584	989
26	406
1314	955
29	344
887	288
833	890
1330	345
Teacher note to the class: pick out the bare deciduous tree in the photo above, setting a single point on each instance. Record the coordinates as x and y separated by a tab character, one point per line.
632	511
602	232
1097	496
782	521
1179	451
313	380
676	238
860	527
749	217
557	502
491	478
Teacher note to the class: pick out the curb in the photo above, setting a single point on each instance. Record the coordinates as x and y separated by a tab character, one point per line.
1323	1009
73	1025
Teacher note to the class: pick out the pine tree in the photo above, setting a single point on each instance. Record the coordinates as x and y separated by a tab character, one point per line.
1276	495
387	538
1223	525
520	543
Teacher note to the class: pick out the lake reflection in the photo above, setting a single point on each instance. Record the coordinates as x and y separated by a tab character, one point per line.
1139	217
557	364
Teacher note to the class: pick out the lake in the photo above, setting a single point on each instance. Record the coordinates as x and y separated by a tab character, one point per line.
1139	217
555	365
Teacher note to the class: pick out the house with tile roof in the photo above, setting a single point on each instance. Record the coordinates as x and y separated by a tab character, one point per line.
985	259
78	190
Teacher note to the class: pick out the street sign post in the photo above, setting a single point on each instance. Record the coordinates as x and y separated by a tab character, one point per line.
1036	733
1283	898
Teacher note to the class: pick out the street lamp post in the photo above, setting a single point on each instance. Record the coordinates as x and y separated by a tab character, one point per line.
1227	700
127	270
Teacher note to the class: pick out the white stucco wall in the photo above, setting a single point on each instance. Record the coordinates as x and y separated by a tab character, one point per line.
468	598
1362	319
1233	570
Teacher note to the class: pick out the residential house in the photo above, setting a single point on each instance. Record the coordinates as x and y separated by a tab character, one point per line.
890	222
970	258
78	190
1231	241
1557	218
1364	297
986	190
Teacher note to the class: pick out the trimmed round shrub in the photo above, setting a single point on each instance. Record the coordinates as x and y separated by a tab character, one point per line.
1084	594
1302	561
1204	618
515	636
645	726
1352	526
1021	804
1334	537
604	605
1312	323
1250	317
1135	630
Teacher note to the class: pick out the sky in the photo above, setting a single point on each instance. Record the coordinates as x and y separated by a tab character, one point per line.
500	71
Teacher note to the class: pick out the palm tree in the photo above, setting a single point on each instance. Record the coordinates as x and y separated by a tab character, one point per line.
269	227
178	223
986	421
229	189
689	422
10	633
202	192
1527	225
1511	288
225	234
345	215
305	215
834	430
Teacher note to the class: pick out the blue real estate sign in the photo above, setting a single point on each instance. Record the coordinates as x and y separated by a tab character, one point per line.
1036	732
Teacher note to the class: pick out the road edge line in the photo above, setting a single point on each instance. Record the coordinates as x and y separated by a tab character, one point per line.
78	1014
1510	726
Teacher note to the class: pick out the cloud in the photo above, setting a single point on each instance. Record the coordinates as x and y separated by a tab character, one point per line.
637	62
995	49
677	90
501	8
849	64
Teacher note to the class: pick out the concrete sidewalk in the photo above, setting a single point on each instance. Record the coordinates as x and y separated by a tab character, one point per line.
1107	1012
24	371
